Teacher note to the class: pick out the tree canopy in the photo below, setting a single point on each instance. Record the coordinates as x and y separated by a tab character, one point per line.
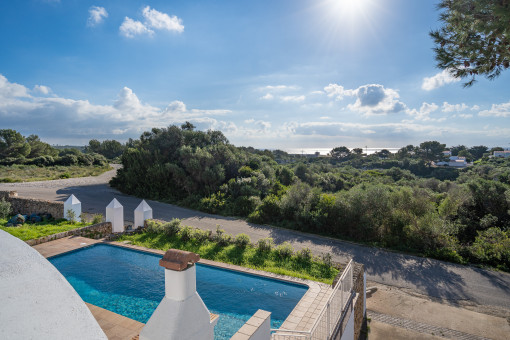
474	39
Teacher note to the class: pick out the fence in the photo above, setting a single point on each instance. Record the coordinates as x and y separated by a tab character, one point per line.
329	316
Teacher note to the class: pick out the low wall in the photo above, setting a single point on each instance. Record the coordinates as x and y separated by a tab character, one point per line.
27	206
258	327
94	231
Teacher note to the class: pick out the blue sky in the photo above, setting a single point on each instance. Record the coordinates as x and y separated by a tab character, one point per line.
270	74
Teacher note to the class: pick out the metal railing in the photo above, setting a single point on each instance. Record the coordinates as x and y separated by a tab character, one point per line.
330	314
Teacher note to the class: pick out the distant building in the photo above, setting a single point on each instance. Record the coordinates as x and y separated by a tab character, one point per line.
455	162
502	154
447	153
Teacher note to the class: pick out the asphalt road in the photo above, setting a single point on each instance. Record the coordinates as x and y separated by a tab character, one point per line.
463	285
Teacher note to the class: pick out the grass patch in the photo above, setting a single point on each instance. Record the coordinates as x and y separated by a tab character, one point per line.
31	173
248	256
30	231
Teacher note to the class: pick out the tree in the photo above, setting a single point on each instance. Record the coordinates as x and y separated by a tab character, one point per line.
432	150
474	39
340	152
39	148
456	149
478	151
383	153
13	144
467	154
357	151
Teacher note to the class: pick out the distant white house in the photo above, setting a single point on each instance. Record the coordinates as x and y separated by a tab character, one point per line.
502	154
447	153
455	162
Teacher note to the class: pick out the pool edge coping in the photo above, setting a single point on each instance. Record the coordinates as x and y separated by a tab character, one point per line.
296	316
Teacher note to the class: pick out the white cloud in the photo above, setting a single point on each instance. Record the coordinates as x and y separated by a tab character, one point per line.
154	20
42	89
374	99
454	107
131	28
497	110
295	99
249	121
162	21
75	119
267	96
464	115
438	80
11	90
278	88
338	91
475	108
424	112
96	16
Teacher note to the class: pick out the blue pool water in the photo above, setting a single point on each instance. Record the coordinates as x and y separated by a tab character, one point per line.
131	283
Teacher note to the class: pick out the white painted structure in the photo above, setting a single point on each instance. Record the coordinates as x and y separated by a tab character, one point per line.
72	203
37	302
502	154
115	215
181	314
142	212
348	333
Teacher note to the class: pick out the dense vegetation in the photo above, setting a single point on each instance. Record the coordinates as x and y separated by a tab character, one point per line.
25	159
15	149
237	250
399	201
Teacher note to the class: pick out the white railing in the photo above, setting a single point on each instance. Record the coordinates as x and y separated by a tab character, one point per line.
329	316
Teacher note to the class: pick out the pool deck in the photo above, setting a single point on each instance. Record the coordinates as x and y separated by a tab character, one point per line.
118	327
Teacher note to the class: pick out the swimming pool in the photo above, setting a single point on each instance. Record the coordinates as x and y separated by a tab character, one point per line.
131	283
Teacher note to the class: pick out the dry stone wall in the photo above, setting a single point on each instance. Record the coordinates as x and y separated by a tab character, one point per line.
94	231
27	206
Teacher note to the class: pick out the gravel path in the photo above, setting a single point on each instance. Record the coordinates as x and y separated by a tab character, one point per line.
462	285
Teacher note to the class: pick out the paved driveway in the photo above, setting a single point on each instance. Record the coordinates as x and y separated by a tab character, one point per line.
463	285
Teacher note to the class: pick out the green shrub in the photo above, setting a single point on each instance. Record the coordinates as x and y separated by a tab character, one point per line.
264	245
5	208
154	227
242	240
201	236
304	255
172	228
65	175
186	234
284	250
221	238
97	218
327	259
71	215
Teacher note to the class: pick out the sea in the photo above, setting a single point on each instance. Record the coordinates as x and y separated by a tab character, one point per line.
325	151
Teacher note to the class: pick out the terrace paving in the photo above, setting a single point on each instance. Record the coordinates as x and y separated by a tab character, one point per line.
119	327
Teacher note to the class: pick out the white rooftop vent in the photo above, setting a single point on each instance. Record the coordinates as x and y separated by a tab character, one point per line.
142	212
74	205
115	215
181	314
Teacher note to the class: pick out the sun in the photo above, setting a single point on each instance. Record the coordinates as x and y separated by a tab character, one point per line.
351	7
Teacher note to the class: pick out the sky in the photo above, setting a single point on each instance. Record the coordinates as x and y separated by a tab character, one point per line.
275	74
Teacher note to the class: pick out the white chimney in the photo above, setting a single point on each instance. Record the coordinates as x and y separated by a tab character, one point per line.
181	314
115	215
142	212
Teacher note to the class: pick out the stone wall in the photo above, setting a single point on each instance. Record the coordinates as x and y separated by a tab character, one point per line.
27	206
94	231
359	317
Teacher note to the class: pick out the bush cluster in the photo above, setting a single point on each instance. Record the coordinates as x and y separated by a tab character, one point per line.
264	247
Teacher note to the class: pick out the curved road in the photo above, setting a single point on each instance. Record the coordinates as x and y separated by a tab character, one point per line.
485	290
